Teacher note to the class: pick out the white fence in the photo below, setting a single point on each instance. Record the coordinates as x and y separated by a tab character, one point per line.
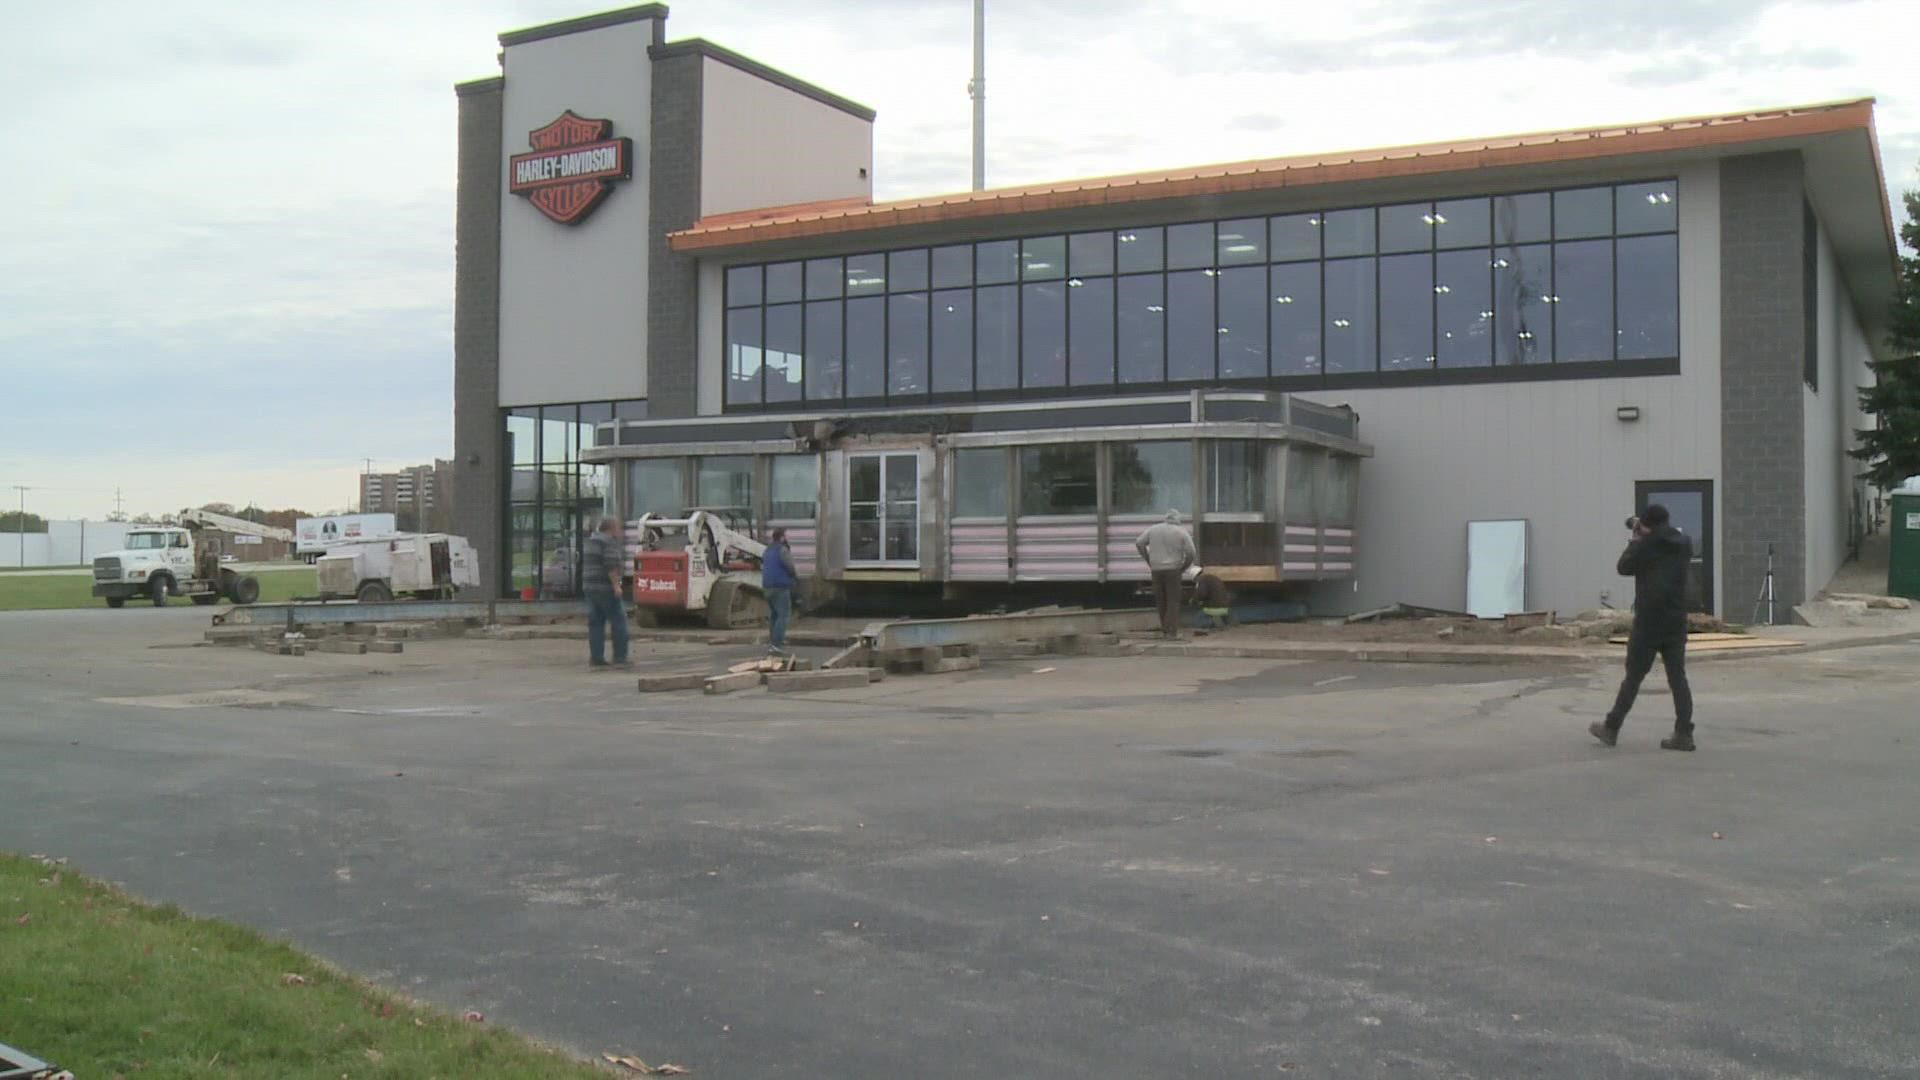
65	543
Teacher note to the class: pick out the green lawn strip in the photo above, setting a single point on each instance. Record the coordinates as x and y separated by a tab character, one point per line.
104	985
48	591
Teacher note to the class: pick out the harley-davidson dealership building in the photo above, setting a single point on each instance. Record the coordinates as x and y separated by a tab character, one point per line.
1437	374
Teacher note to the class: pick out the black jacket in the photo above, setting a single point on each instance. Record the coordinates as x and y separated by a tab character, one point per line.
1659	564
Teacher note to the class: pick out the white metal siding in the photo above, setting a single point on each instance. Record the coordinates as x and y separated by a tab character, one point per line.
762	144
573	312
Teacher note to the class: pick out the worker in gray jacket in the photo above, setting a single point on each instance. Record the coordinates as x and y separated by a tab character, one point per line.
1168	550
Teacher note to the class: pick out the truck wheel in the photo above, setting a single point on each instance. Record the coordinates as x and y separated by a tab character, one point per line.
157	588
373	592
733	605
243	589
116	601
202	599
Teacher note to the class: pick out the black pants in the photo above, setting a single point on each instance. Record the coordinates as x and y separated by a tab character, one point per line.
1667	639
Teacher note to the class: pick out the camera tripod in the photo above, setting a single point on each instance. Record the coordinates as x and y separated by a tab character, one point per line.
1766	591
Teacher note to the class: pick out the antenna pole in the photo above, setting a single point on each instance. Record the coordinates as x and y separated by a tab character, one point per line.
977	90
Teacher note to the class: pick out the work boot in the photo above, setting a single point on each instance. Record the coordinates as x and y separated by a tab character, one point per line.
1677	741
1599	730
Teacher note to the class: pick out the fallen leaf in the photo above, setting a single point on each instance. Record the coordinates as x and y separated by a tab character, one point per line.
386	1009
1376	870
1717	836
23	920
1043	670
374	1055
474	1016
670	1069
417	1022
726	1027
629	1062
1046	918
856	926
291	979
1493	839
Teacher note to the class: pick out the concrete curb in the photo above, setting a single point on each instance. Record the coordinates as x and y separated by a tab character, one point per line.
1377	652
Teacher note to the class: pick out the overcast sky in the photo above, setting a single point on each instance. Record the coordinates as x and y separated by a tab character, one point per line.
226	269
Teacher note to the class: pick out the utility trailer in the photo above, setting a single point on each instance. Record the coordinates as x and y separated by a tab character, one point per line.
426	566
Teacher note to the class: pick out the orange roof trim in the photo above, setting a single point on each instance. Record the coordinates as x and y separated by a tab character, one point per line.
1690	133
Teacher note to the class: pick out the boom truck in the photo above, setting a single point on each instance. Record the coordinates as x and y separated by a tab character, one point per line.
698	563
178	560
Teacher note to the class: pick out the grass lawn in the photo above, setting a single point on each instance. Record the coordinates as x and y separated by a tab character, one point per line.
100	984
42	591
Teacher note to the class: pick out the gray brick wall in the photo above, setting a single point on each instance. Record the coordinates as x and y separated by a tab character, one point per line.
478	469
1763	427
673	185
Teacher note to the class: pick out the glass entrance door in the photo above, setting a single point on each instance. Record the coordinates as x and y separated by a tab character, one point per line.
883	510
1690	504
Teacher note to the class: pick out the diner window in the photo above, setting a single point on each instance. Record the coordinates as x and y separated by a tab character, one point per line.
1150	477
1236	477
1059	480
980	483
1302	464
1337	491
656	486
795	483
724	483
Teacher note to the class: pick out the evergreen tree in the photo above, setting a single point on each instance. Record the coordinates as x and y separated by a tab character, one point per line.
1892	451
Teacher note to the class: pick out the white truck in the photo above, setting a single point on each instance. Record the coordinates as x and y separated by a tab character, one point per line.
427	566
173	560
314	537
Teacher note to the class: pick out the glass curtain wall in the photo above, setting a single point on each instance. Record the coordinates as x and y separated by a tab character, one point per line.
1579	275
554	499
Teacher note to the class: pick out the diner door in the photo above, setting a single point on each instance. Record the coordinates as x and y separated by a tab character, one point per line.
1689	505
883	510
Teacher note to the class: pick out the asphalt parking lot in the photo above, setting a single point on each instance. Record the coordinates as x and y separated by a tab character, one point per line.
1121	867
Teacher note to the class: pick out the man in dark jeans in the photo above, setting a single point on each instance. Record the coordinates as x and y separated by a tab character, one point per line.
1658	558
600	563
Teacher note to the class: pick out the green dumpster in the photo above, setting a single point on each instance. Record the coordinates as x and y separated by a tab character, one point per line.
1903	567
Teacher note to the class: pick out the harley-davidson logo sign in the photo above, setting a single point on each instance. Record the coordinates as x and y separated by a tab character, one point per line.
571	167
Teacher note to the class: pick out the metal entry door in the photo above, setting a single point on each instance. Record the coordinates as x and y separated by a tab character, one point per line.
1690	504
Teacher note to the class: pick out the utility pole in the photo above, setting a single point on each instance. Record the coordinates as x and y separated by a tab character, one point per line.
977	90
119	507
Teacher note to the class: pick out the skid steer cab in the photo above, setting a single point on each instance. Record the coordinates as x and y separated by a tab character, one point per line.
697	565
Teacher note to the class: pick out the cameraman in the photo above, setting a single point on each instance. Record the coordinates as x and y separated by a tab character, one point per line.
1658	558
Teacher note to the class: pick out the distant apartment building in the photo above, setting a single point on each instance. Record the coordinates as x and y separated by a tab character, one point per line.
420	496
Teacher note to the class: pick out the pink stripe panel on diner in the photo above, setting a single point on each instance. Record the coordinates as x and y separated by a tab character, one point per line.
978	552
1058	550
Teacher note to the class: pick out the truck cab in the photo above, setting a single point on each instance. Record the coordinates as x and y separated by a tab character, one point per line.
164	561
